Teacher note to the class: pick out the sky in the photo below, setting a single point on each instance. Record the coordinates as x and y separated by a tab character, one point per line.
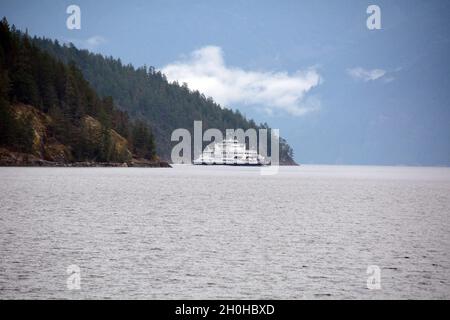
339	92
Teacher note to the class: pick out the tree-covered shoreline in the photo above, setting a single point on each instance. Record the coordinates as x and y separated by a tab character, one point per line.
47	104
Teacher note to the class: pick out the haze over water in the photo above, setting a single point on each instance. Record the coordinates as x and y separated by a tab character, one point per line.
225	232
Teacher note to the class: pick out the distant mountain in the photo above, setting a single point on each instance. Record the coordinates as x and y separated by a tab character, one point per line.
50	114
145	94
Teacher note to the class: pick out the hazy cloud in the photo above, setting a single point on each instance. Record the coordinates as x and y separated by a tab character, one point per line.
366	75
90	43
205	70
95	41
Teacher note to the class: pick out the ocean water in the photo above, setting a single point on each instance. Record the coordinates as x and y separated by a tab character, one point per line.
308	232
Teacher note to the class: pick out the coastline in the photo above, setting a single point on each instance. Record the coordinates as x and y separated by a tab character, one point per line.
50	164
18	159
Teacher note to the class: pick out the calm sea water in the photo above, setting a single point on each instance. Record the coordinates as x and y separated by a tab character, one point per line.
225	232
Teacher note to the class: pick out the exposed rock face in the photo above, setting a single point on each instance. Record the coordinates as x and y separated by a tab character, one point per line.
44	147
93	131
18	159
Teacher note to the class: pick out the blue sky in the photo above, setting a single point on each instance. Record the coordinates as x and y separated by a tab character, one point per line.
339	93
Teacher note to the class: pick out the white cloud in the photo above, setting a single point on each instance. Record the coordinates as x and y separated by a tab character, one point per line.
95	41
366	75
205	70
90	43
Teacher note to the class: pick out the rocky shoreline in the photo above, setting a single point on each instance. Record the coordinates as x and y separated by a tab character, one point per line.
17	159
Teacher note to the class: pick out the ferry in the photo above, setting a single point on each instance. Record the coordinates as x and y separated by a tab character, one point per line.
230	152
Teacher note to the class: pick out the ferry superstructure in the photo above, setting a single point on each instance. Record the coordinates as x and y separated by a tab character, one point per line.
229	152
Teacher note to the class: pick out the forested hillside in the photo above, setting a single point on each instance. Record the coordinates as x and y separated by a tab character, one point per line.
49	110
145	94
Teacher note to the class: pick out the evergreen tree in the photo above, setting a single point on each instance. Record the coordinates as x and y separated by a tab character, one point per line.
142	139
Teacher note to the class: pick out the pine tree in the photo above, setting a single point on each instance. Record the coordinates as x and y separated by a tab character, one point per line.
23	85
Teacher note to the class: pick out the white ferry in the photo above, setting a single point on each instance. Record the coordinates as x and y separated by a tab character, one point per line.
230	152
